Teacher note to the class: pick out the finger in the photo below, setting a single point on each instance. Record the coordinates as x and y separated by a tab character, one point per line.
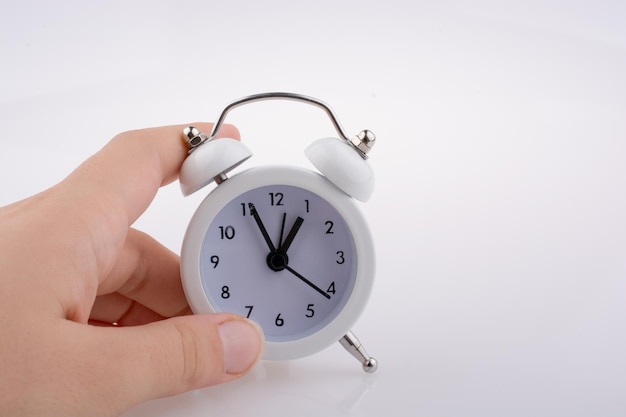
147	272
172	356
128	171
116	309
112	188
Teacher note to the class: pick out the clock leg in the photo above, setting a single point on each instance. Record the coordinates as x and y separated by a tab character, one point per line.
354	347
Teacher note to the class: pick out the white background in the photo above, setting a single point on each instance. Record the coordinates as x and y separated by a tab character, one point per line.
499	212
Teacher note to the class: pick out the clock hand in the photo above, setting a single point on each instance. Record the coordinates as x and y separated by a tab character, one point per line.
315	287
291	235
259	223
282	230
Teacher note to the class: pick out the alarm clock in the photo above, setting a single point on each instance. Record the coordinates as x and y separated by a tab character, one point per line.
284	246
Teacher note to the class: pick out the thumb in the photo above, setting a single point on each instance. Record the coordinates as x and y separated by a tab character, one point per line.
178	354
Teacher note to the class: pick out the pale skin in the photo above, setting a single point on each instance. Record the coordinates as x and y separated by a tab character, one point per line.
71	265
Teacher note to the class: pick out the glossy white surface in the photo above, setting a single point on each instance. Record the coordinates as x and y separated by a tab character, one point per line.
210	160
499	206
343	166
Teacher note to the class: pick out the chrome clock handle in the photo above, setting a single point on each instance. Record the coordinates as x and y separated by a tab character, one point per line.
362	142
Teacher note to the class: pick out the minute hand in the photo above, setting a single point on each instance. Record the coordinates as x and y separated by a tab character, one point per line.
259	223
315	287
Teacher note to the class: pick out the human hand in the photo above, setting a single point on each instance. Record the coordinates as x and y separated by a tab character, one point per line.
69	258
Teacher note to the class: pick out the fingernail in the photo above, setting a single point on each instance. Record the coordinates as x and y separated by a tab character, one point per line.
242	342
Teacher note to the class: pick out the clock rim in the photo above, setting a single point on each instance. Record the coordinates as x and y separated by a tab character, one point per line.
256	177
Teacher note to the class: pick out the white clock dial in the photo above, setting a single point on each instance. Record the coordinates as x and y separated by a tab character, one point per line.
285	248
247	268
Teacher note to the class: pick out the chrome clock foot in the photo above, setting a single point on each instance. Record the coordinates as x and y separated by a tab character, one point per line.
352	344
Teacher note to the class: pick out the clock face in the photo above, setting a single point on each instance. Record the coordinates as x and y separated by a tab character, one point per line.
286	248
282	256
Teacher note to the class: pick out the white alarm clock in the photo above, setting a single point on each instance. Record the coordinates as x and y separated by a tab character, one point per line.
284	246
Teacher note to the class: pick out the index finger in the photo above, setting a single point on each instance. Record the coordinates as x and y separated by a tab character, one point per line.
120	181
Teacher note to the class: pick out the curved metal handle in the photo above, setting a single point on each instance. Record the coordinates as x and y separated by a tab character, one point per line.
279	96
361	143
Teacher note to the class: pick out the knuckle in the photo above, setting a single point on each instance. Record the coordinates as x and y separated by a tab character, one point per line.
199	359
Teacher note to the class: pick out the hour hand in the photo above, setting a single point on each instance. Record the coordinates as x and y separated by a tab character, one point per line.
259	223
291	235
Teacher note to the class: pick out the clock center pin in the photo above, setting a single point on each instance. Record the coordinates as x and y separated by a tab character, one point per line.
277	261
